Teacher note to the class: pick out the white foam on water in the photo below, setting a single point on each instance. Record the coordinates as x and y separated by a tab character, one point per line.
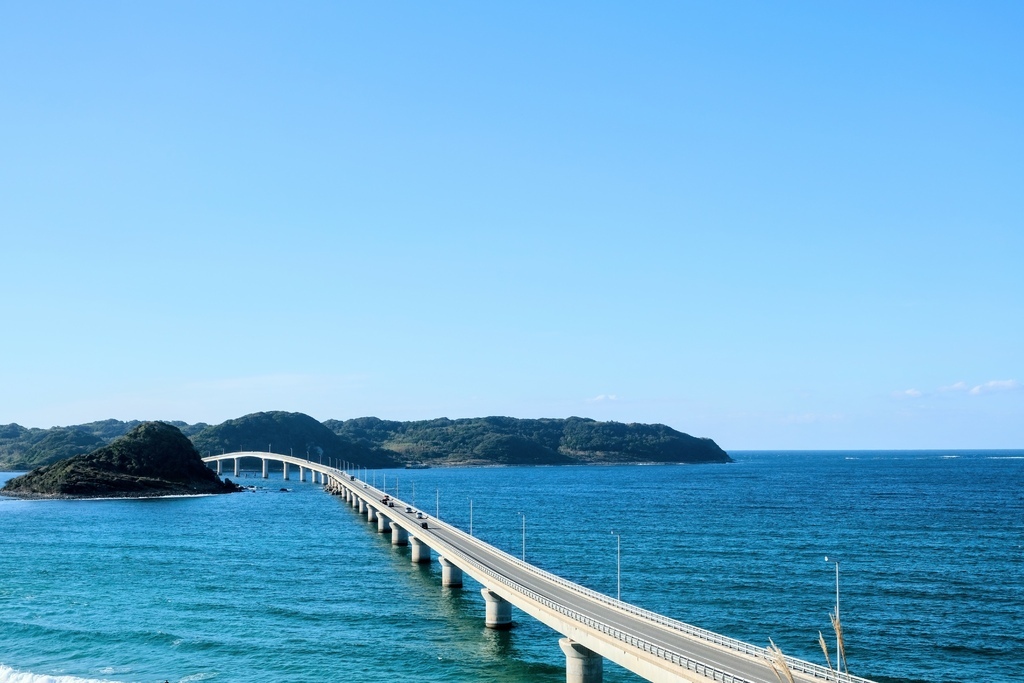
9	675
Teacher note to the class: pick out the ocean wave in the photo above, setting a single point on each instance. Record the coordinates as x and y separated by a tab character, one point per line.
9	675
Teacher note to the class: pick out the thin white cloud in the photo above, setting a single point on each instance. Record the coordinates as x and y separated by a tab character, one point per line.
909	393
958	386
996	385
602	398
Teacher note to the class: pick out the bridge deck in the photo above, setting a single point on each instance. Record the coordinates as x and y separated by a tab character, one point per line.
650	644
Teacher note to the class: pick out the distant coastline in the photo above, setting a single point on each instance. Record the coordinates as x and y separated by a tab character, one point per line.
375	443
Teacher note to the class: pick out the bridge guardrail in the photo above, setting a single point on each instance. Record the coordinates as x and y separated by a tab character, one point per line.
809	668
646	646
795	664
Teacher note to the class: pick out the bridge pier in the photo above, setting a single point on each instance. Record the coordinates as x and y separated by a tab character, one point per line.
498	614
383	524
420	551
451	576
371	513
581	664
362	506
399	536
266	473
238	466
220	468
285	471
302	473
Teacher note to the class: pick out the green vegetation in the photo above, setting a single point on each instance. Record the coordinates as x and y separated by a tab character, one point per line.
153	459
372	442
26	449
506	440
283	432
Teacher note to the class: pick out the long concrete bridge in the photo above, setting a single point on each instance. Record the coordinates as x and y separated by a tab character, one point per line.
594	626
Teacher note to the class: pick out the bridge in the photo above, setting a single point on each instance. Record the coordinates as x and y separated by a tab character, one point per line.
594	626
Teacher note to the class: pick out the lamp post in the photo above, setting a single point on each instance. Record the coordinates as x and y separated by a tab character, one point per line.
470	516
618	565
524	534
839	641
437	503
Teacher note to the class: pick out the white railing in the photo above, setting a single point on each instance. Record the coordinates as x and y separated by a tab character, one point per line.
733	644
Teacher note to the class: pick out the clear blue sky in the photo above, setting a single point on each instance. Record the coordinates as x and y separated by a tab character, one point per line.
779	225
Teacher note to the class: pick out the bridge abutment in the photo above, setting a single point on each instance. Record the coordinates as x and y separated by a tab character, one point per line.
420	551
498	613
582	665
451	576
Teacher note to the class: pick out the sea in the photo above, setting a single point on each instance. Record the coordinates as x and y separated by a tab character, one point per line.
294	586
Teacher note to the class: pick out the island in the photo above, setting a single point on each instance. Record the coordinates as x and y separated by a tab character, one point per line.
376	443
153	459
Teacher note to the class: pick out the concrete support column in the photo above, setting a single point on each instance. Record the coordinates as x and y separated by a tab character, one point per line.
371	514
302	473
220	468
383	524
285	471
362	506
451	576
265	472
399	536
581	665
420	551
498	610
238	466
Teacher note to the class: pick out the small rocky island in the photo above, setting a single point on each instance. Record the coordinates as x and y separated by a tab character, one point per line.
153	459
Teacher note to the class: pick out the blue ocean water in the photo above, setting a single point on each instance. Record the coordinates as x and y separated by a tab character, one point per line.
295	586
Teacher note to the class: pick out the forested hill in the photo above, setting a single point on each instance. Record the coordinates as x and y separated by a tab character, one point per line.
22	448
372	442
153	459
290	433
507	440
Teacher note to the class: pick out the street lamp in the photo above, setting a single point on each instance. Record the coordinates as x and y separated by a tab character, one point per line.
470	516
437	502
618	566
840	650
524	534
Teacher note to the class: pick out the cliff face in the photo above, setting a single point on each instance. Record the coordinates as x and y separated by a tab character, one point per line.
153	459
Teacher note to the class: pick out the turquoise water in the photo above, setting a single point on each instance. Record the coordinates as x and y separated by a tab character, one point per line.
295	586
